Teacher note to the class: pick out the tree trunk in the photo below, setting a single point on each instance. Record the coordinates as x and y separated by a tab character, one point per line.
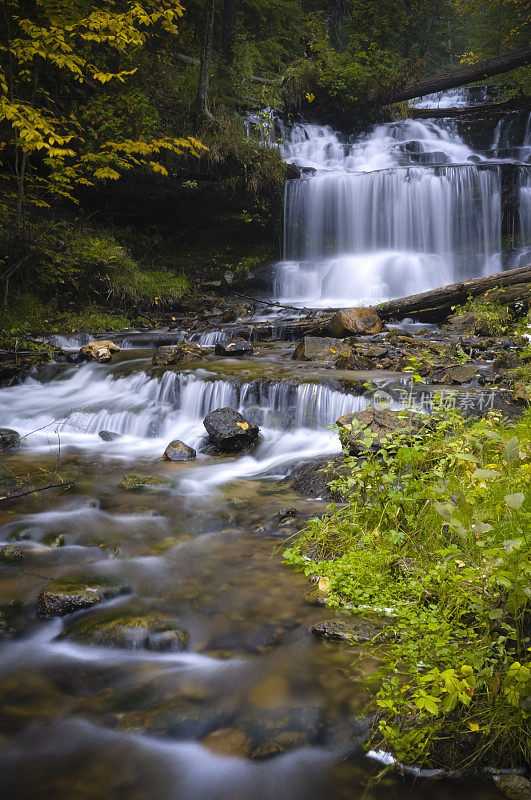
227	40
431	20
437	303
460	77
203	111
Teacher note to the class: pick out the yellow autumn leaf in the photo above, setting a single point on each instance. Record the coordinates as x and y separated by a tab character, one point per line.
243	425
324	584
473	726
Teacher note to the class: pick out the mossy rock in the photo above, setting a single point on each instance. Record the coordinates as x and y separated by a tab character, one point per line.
74	593
130	628
10	554
135	481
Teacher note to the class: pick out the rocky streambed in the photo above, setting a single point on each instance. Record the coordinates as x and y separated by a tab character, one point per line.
153	644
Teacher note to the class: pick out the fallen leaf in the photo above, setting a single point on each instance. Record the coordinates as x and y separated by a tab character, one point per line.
243	425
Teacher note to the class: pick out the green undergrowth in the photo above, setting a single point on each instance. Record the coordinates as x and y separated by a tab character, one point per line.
434	536
493	317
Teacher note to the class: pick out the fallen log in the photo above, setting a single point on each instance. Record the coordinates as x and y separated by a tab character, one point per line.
437	304
460	77
516	104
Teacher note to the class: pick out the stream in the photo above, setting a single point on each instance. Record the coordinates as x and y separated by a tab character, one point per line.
255	707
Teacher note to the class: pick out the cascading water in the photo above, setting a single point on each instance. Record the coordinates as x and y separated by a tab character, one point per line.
399	211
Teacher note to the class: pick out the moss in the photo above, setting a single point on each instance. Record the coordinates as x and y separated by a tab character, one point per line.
138	480
492	318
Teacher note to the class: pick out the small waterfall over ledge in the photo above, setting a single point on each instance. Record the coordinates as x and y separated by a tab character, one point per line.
405	209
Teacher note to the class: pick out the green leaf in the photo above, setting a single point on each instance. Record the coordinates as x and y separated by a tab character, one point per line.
495	613
511	451
485	474
514	500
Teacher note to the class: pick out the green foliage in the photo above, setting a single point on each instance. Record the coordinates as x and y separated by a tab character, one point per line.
434	534
493	317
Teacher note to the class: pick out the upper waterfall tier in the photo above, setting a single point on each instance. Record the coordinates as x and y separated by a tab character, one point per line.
404	209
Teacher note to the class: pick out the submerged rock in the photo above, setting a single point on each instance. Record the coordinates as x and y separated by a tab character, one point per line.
228	742
179	451
109	436
354	320
73	594
8	438
53	539
515	787
140	480
235	347
379	423
130	629
101	351
229	431
352	631
183	353
317	348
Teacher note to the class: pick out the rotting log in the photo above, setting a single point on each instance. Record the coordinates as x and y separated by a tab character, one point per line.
482	70
437	304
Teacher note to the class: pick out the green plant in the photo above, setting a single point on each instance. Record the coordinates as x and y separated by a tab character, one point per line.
434	535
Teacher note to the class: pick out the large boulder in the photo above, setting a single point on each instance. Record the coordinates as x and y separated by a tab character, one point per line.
73	594
182	353
377	423
229	431
317	348
354	321
179	451
101	351
235	347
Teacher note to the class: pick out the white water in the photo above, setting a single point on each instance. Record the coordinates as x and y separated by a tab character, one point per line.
404	209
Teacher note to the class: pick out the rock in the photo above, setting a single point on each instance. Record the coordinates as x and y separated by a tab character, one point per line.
109	436
101	351
10	554
317	348
72	594
515	787
377	421
228	742
235	347
354	320
281	743
311	479
229	431
8	438
351	632
462	373
183	353
139	480
130	628
179	451
53	539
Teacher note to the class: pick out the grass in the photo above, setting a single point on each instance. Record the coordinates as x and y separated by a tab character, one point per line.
434	536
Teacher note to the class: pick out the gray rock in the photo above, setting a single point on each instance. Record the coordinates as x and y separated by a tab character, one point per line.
317	348
109	436
377	423
229	431
179	451
182	353
515	787
235	347
73	594
8	438
351	631
10	554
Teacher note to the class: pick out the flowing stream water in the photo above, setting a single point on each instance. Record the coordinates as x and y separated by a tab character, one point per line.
374	217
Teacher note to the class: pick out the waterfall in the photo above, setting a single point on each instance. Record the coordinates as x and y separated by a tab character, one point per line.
399	211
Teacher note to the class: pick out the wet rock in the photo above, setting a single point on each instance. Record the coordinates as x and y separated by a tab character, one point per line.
504	362
53	539
109	436
379	423
183	353
139	480
317	348
12	619
10	554
8	438
101	351
281	743
131	629
311	479
228	742
354	320
235	347
462	373
515	787
352	631
229	431
73	594
179	451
